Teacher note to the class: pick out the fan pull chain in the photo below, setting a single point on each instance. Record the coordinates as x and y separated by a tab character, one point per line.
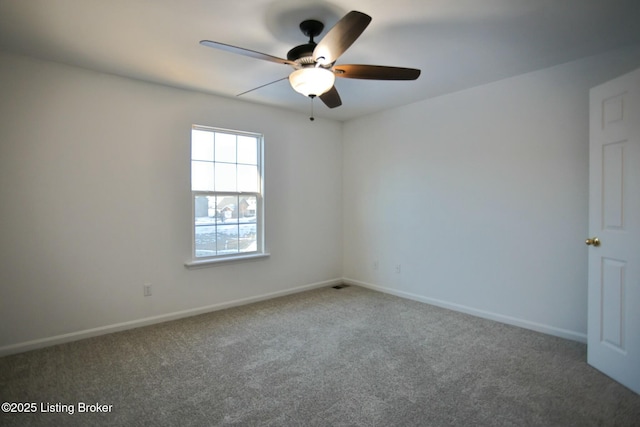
312	97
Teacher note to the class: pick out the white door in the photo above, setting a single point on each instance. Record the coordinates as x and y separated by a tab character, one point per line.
614	219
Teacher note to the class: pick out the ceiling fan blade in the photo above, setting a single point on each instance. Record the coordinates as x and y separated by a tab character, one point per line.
245	52
340	37
259	87
331	98
375	72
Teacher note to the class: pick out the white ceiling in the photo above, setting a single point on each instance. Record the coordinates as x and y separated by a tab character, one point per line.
456	43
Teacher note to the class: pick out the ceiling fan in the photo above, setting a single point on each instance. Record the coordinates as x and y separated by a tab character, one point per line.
314	63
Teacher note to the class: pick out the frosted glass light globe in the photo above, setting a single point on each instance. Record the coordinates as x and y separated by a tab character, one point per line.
312	81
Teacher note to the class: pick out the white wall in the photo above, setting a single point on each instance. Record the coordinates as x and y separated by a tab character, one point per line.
95	201
480	196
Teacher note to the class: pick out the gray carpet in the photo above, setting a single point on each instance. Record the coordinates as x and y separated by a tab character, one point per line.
327	357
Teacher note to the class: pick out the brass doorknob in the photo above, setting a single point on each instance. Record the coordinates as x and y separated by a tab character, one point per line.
593	241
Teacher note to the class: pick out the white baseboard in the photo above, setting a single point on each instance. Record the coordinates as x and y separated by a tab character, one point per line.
102	330
538	327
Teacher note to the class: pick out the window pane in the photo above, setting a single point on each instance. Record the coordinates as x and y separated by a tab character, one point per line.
205	239
225	148
201	176
227	239
247	150
248	238
201	145
204	214
248	178
247	209
226	207
225	177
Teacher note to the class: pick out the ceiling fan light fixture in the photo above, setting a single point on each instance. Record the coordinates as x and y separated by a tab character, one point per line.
312	81
313	62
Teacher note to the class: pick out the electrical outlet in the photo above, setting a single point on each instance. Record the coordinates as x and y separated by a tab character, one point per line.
147	289
398	268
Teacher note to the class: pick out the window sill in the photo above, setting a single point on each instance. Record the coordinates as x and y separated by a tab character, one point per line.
217	261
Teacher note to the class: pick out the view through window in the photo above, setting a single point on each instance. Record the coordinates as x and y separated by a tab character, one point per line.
226	186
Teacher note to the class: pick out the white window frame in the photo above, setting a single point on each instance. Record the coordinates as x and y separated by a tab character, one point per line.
260	252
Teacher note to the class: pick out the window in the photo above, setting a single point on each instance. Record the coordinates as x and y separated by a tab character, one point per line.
226	189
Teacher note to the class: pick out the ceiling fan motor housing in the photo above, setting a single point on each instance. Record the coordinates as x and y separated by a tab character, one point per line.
301	53
310	28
